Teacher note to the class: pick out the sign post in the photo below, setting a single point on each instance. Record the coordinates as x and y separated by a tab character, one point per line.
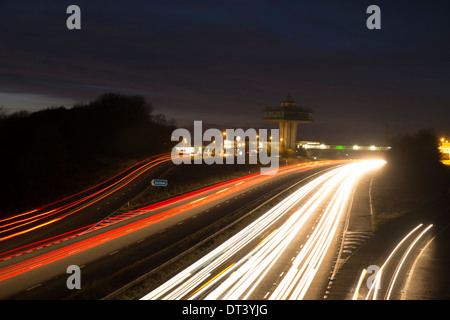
159	183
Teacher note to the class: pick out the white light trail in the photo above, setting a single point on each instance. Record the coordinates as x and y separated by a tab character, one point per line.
296	282
404	258
377	280
361	278
242	278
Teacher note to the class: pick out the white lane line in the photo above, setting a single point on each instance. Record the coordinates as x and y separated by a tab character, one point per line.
34	287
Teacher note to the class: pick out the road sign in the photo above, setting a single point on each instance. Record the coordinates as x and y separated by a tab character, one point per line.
159	183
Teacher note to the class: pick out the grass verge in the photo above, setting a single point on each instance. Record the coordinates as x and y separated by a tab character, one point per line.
391	201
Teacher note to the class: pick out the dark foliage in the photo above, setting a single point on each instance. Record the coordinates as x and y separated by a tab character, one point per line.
412	179
56	151
414	165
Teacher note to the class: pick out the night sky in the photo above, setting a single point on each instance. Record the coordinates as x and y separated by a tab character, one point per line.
222	62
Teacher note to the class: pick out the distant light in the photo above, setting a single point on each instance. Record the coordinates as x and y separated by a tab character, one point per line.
339	147
355	147
372	147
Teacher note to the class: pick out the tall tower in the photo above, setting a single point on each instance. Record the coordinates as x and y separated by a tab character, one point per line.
288	115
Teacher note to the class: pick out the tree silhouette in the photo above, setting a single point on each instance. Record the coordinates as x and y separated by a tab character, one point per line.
57	151
414	164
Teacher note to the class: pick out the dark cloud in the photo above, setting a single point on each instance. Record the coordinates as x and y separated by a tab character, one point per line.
223	61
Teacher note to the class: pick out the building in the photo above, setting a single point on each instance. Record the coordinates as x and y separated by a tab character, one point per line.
288	115
445	149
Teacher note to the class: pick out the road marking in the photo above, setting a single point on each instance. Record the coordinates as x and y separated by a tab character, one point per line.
197	200
33	287
114	252
213	278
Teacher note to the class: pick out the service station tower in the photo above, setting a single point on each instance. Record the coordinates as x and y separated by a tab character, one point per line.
288	115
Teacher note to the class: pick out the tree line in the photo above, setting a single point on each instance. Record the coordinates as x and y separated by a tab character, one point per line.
412	178
58	148
414	164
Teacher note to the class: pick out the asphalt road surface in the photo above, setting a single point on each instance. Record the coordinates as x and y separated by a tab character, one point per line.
42	226
105	249
406	260
287	253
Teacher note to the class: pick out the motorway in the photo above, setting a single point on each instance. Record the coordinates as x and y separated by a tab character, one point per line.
302	241
53	222
285	254
112	246
397	262
383	280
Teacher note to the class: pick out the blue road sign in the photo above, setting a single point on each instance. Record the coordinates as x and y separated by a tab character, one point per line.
159	183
